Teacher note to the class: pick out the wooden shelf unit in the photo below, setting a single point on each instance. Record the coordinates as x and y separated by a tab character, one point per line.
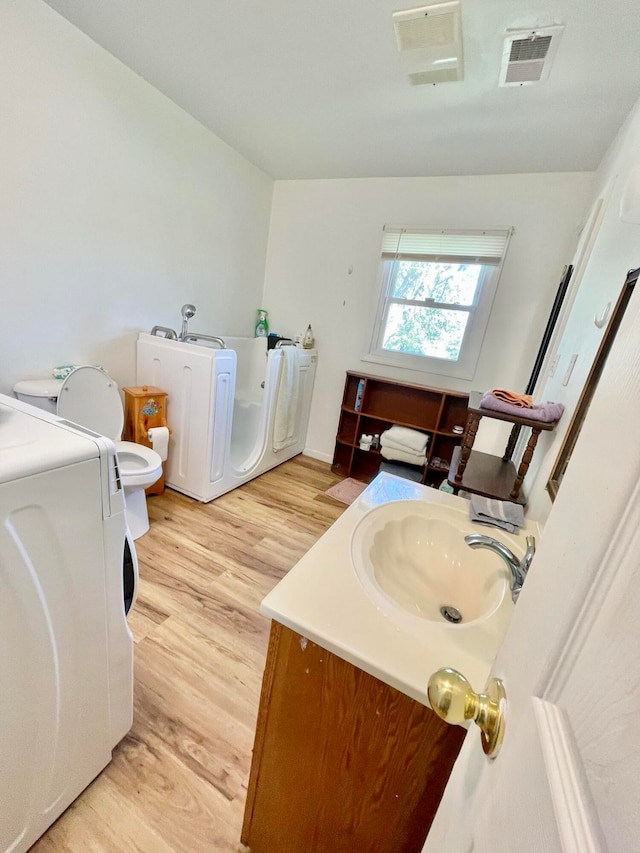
386	402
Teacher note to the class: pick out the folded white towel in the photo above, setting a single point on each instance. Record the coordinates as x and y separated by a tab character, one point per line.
411	439
385	441
393	445
403	456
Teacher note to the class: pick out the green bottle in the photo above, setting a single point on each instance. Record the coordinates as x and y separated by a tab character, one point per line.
262	326
308	341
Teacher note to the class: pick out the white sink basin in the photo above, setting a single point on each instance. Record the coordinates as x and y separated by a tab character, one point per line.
412	560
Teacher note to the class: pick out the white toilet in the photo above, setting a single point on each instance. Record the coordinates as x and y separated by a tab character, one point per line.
90	397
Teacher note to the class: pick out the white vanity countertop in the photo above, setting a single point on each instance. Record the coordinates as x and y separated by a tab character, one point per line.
322	599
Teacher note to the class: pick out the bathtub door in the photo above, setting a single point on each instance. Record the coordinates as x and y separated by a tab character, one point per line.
191	376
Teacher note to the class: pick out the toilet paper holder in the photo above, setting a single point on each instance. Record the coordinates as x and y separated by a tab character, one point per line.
147	436
159	439
145	408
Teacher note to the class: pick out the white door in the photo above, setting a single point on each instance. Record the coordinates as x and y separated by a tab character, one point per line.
568	774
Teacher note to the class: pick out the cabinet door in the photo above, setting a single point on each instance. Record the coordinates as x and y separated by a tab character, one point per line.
342	762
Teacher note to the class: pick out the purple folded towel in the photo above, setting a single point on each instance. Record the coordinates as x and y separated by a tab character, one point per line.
548	413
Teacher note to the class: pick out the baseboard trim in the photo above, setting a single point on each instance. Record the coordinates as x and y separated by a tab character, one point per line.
316	454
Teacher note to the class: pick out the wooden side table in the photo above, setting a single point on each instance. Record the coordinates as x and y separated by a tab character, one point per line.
145	406
493	476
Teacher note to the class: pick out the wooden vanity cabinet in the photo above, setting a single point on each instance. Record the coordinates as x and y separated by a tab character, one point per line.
342	762
385	402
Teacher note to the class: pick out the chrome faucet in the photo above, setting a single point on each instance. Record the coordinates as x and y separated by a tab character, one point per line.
187	311
517	568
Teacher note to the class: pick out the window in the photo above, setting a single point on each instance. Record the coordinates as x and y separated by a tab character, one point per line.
436	296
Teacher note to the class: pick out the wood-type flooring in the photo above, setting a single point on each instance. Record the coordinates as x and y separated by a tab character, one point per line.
178	781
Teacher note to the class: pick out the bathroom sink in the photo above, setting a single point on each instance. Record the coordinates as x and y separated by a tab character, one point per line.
411	558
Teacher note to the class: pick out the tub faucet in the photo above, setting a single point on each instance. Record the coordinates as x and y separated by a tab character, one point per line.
187	311
517	568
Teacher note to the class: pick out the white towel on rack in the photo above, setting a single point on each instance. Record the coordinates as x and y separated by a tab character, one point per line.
286	415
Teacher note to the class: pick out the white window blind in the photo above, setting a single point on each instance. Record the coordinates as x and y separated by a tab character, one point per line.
445	246
436	292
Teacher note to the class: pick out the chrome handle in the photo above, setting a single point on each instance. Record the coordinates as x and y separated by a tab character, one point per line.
168	333
196	336
453	699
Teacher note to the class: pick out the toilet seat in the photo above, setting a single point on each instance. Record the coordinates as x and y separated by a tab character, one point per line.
137	463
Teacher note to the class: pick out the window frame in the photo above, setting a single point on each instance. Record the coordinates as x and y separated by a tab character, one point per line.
479	312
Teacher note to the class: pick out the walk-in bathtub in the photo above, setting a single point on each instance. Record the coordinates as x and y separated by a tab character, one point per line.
234	413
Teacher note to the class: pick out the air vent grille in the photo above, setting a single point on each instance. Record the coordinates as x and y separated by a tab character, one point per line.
523	50
524	72
430	42
425	31
528	54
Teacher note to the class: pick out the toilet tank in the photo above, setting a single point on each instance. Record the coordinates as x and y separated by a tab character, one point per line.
41	393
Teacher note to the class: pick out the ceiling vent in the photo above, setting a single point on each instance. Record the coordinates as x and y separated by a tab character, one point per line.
429	41
528	54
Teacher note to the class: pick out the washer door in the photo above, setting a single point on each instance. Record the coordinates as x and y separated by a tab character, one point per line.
129	573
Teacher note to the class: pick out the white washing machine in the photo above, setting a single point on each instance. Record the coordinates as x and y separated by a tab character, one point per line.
68	575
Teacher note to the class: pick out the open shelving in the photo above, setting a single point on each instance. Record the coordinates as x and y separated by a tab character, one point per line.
386	402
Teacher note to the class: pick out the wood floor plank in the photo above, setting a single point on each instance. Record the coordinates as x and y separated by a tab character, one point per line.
218	610
144	618
90	824
194	663
198	532
178	781
185	810
217	753
195	563
249	584
276	551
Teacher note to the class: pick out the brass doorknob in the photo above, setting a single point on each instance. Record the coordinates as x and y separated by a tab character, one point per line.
454	700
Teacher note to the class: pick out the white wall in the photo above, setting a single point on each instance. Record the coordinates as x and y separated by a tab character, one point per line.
116	207
616	250
323	268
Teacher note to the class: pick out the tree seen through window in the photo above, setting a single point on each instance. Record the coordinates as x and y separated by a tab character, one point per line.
429	306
